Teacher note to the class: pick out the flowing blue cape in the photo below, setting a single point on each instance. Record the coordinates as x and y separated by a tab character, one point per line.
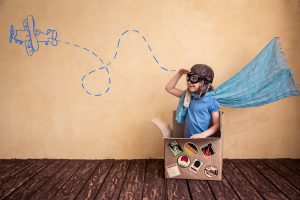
265	79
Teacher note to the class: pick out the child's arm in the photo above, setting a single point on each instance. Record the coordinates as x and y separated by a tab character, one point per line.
214	128
171	85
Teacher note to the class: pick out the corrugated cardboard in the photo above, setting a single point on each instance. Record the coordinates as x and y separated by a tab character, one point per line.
187	158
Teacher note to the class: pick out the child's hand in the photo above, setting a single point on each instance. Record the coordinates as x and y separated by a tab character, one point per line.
199	135
184	71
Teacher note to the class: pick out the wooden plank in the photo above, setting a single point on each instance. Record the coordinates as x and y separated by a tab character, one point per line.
114	181
15	168
7	163
35	182
89	191
222	189
49	189
22	177
177	189
72	187
200	190
154	186
244	179
134	181
285	172
238	182
289	190
293	164
258	181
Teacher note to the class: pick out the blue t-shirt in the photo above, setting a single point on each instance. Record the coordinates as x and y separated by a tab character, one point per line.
198	115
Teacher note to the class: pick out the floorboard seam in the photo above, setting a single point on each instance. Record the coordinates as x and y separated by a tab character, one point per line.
145	178
124	179
6	161
66	180
88	179
212	191
29	179
47	180
290	182
268	179
104	179
231	186
247	180
189	189
285	164
19	172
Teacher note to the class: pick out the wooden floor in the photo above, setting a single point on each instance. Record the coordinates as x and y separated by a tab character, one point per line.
144	179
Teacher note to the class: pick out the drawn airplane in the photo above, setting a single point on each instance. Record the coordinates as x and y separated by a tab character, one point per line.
31	37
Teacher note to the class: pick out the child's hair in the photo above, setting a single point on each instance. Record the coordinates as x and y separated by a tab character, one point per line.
206	74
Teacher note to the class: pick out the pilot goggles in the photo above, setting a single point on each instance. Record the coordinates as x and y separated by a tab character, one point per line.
193	78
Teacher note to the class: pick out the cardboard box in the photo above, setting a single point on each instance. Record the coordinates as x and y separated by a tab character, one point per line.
187	158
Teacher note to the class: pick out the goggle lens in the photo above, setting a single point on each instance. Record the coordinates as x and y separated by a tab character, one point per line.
193	78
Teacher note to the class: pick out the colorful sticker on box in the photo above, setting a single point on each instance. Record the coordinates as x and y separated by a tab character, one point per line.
190	148
173	170
208	150
183	161
195	166
175	148
211	171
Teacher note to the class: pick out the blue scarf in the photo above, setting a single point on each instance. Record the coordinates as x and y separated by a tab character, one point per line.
267	78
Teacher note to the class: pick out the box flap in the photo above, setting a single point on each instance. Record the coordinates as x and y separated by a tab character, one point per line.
164	127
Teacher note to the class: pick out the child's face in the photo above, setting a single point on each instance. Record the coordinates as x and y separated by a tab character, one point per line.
193	87
193	82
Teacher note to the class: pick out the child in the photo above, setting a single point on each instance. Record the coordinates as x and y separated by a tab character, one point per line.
203	108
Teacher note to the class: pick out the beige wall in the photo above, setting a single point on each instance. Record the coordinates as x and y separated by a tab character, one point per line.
45	113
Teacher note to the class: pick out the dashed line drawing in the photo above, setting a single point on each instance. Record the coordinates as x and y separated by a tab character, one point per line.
30	36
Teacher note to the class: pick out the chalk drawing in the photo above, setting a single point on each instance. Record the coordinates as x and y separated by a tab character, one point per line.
31	37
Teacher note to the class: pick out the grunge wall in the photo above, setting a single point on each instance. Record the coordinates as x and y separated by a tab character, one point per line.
94	93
